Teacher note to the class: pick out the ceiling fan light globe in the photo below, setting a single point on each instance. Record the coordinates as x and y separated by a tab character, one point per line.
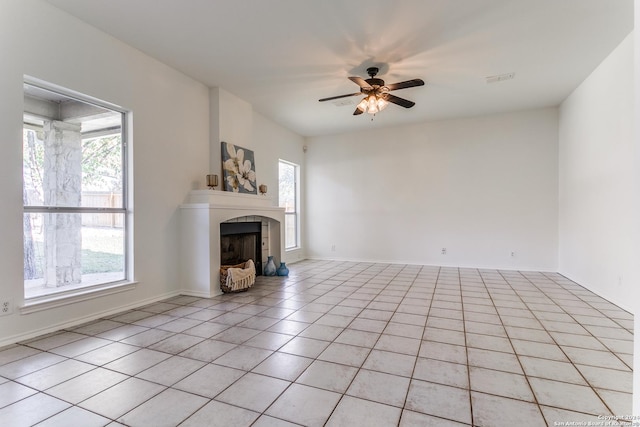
382	104
362	105
372	106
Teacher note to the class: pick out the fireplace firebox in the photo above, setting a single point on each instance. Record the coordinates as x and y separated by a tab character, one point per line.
239	242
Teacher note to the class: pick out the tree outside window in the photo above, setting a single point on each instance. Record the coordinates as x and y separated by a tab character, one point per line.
74	193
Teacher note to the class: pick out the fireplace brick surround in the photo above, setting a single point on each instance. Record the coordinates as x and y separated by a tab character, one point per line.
200	220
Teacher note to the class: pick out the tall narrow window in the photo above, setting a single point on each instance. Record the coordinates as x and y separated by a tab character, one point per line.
74	191
288	197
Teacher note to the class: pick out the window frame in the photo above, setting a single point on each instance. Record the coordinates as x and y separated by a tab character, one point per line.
80	292
296	213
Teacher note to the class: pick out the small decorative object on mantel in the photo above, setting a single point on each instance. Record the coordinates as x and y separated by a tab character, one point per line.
283	270
263	189
212	181
270	268
238	168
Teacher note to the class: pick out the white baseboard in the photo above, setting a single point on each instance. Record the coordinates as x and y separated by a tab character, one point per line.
198	294
446	265
622	304
84	319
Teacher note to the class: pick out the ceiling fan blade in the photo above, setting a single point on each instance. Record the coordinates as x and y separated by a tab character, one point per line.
339	96
361	82
357	112
404	85
397	100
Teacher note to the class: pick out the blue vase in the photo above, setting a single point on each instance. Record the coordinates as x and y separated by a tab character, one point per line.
270	268
283	270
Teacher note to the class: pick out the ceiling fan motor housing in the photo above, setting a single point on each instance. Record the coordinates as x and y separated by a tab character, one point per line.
375	82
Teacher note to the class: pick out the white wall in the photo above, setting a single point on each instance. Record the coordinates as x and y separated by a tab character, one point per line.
272	143
636	228
171	148
233	120
598	181
480	187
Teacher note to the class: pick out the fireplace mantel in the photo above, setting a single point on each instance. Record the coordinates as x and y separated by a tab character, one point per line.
228	198
200	220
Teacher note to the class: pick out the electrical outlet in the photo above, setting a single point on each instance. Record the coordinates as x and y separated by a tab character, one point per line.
333	248
513	254
5	307
444	251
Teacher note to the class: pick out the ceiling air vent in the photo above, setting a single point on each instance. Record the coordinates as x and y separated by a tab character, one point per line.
500	78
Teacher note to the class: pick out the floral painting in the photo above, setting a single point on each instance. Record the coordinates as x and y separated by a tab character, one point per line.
239	169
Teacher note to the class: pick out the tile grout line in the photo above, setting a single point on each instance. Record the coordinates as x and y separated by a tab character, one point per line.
466	347
274	294
589	333
535	398
561	349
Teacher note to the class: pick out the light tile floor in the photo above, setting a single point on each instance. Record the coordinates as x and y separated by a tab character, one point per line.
337	344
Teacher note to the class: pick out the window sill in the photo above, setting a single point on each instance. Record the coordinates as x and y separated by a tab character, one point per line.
34	305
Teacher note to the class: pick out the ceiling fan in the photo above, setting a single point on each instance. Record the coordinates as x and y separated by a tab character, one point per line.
377	95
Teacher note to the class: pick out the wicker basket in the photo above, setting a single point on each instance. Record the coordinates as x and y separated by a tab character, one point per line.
223	278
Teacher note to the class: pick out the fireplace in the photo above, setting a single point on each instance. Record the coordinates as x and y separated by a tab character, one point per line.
239	242
201	240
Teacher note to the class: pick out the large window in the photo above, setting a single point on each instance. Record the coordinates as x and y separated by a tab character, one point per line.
288	197
74	191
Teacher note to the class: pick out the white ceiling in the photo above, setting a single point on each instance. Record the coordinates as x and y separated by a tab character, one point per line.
284	55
